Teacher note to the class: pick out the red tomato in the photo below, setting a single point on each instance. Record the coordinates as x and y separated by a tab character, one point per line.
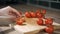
20	22
49	29
44	11
40	22
27	14
48	21
33	15
39	15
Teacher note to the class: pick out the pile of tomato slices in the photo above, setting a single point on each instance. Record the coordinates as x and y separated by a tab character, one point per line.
40	15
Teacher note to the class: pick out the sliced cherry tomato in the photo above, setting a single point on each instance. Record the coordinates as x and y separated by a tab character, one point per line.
48	21
27	14
20	22
39	15
49	29
33	15
40	22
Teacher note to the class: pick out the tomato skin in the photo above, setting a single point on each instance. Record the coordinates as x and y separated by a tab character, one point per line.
39	15
19	22
40	22
33	15
49	29
48	21
44	11
27	14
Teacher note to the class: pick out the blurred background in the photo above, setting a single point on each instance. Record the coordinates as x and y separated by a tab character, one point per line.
43	3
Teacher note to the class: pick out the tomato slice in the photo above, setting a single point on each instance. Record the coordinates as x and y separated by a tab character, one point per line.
49	29
20	21
48	21
33	15
40	15
27	14
40	22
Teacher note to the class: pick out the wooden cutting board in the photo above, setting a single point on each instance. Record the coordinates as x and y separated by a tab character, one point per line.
28	29
31	27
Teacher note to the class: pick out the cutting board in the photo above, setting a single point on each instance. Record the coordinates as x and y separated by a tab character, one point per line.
31	27
28	29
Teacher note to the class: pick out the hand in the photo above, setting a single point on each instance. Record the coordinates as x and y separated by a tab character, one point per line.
16	14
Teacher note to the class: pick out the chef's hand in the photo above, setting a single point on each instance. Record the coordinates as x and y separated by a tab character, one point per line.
14	12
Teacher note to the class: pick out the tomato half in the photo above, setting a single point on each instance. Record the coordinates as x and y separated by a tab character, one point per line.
49	29
48	21
39	15
20	22
33	15
40	22
27	14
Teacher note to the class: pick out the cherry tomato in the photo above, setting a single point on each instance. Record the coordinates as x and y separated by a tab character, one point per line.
48	21
40	22
20	22
49	29
44	11
33	15
39	15
27	14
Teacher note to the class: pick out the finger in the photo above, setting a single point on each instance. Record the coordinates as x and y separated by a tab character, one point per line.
15	14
